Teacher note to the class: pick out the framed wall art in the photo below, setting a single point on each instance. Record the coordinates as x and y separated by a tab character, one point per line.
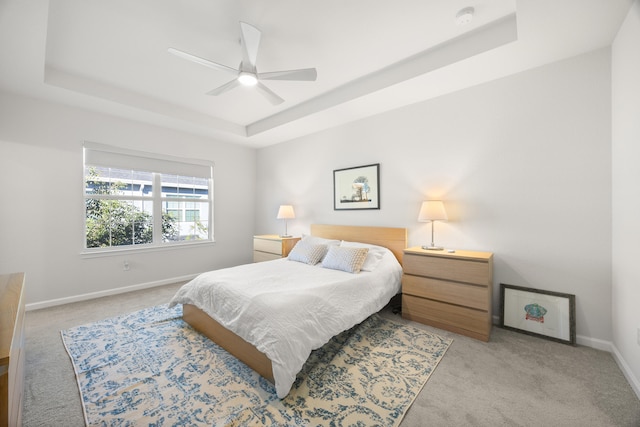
546	314
357	188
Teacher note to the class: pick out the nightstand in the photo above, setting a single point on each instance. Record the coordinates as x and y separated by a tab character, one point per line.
451	291
268	247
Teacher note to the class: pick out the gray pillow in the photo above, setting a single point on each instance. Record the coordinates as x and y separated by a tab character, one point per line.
307	253
345	258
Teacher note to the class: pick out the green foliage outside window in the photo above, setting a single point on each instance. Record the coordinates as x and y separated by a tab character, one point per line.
112	222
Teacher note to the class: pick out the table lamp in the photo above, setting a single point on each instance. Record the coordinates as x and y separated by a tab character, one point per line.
432	211
285	212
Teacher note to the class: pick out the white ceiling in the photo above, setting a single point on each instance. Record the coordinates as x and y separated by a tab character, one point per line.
371	55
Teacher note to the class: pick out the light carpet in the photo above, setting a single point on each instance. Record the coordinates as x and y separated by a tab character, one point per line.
150	367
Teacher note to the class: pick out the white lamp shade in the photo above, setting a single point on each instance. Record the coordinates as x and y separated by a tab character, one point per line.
286	212
432	210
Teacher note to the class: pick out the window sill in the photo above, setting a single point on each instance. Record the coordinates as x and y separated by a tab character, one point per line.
106	252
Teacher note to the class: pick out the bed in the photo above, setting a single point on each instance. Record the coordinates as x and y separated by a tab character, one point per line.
271	315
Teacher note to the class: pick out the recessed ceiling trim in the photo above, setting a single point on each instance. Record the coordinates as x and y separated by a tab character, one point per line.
91	87
482	39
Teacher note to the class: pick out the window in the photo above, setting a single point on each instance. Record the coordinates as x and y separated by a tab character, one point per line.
135	200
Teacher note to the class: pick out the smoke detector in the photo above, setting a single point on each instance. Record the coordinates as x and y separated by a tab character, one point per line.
464	16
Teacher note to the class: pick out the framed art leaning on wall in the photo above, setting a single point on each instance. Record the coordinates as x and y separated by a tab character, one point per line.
546	314
357	188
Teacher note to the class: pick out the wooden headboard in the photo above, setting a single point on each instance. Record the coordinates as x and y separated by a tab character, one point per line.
393	238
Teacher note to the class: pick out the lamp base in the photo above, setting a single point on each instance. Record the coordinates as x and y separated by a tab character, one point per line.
432	248
286	235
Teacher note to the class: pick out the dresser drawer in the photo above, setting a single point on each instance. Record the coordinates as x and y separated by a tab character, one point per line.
473	296
459	270
464	320
270	246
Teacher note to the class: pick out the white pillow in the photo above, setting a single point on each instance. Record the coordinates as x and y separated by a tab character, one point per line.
345	259
374	256
307	253
315	240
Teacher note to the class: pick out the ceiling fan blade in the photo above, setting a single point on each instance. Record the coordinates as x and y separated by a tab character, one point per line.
269	94
224	88
202	61
306	74
250	44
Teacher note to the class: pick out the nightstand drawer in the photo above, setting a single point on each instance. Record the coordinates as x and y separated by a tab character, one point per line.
270	246
447	316
264	256
472	296
458	270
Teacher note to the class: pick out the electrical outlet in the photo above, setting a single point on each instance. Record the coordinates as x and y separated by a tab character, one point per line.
125	265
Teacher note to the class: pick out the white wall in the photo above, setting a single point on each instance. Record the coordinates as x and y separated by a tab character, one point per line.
626	193
523	163
41	218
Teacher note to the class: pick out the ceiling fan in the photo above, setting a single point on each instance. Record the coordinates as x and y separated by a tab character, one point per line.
247	73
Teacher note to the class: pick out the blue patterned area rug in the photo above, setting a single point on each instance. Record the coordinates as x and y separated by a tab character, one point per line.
151	368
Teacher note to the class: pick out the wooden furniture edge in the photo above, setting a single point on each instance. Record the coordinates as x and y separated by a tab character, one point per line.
479	256
11	348
234	344
393	238
11	291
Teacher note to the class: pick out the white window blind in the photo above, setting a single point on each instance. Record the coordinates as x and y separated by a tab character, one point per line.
120	158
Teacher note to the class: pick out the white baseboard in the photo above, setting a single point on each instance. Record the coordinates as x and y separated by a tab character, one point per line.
594	343
626	370
115	291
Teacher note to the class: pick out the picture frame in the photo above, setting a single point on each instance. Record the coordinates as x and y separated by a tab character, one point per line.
357	188
545	314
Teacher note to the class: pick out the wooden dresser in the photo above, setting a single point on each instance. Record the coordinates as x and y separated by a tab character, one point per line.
11	348
268	247
451	291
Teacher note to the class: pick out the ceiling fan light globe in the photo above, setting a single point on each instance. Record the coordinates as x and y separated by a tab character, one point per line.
247	79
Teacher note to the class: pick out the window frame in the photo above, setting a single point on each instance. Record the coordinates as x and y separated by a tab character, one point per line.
157	165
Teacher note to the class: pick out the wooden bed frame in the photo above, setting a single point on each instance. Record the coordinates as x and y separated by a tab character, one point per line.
393	238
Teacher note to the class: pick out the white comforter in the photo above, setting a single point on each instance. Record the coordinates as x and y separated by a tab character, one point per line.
286	308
